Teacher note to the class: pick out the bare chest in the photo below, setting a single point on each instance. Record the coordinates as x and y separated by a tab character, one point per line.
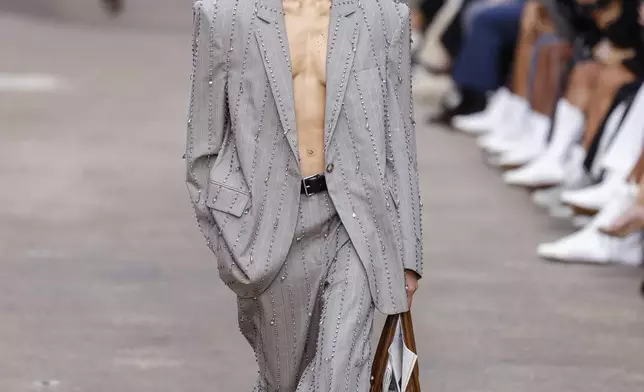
307	33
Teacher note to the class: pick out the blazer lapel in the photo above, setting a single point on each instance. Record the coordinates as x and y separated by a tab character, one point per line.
271	38
343	40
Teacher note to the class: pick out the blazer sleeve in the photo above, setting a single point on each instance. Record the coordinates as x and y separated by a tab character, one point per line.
402	140
206	113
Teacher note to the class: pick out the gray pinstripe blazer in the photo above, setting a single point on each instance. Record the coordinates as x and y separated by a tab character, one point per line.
242	158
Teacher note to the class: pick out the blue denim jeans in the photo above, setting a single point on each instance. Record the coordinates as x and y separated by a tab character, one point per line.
493	30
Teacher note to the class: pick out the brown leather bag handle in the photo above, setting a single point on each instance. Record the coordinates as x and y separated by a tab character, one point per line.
382	352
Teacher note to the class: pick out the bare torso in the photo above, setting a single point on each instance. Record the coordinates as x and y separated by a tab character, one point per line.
307	25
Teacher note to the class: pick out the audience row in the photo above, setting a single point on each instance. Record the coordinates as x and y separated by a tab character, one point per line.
552	89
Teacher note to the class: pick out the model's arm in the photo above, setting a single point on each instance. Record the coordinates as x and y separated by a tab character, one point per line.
207	110
403	143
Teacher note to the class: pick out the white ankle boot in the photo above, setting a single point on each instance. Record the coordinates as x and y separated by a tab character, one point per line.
479	123
575	177
595	197
589	245
508	129
531	145
593	247
548	169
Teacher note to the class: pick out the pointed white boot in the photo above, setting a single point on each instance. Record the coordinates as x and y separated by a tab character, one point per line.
529	147
593	247
593	198
508	129
548	169
575	177
482	122
589	245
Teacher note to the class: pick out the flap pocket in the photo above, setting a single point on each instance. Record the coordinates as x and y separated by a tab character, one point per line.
224	198
266	14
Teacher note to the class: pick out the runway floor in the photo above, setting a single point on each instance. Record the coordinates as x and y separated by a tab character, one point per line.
106	284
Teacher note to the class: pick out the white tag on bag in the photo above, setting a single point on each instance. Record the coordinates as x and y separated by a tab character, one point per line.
400	364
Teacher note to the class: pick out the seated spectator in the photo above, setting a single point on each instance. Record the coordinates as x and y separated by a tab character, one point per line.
618	59
569	126
476	69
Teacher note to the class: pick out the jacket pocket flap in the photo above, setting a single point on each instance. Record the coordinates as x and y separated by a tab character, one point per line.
225	198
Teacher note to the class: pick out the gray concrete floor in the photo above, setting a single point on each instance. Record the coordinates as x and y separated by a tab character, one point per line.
106	284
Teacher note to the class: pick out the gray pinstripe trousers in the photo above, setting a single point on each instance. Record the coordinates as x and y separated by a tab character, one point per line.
311	328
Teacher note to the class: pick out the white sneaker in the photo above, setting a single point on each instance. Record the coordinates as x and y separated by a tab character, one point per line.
473	124
481	122
530	146
498	139
502	143
509	127
574	178
547	197
567	129
541	173
589	245
520	153
550	168
595	197
593	247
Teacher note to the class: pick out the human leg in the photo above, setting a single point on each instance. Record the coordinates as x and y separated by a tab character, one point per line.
471	11
477	65
531	28
343	358
476	69
549	168
282	323
550	64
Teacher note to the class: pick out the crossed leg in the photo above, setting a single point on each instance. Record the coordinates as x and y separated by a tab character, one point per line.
550	63
534	22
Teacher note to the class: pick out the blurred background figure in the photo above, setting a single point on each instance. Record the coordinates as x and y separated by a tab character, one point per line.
552	89
114	6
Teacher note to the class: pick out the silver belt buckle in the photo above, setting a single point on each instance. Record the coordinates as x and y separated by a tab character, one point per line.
306	187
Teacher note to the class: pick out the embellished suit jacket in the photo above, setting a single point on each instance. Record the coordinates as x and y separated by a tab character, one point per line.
243	171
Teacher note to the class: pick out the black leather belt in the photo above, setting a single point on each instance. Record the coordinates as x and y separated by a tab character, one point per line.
313	184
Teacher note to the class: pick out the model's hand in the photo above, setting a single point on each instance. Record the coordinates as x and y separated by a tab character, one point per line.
411	284
641	14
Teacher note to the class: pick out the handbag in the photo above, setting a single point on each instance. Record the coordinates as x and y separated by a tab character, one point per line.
395	365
